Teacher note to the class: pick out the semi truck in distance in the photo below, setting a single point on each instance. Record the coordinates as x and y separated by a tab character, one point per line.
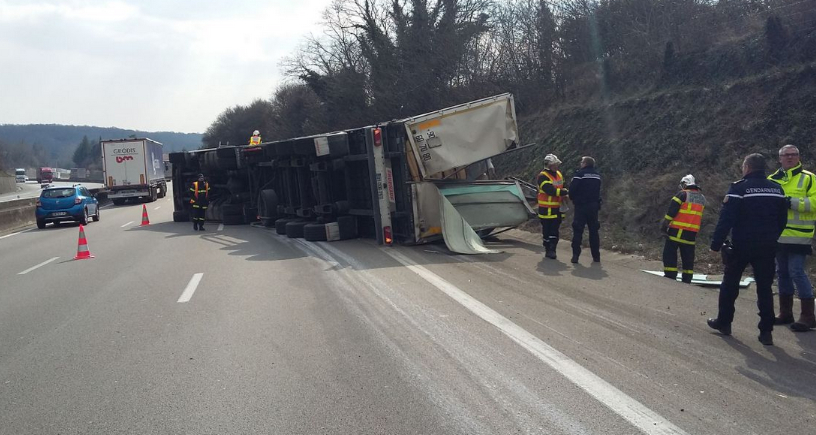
404	181
133	169
20	175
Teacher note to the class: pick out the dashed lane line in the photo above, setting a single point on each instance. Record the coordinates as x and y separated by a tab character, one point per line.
191	288
37	266
126	224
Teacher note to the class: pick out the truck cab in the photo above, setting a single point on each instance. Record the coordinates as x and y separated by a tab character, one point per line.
20	175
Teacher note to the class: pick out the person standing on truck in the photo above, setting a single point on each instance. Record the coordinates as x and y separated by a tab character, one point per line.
200	200
255	140
680	227
795	242
551	192
585	194
755	212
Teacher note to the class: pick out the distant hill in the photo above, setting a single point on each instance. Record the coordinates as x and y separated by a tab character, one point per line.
61	140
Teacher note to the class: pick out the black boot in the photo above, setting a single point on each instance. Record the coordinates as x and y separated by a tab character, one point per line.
725	329
766	338
201	226
574	258
195	225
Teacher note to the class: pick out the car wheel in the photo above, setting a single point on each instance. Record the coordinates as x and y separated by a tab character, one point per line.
96	216
84	218
40	224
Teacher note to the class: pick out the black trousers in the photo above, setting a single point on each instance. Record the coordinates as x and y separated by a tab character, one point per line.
586	215
198	216
549	231
762	261
670	259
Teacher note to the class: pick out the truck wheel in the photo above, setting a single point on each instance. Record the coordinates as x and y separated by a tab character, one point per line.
250	214
118	201
314	232
347	227
280	224
154	194
181	216
294	230
233	220
232	210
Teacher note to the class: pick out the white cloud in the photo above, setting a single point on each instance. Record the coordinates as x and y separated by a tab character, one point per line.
151	65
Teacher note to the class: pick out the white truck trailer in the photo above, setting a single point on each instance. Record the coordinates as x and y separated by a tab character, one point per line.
133	169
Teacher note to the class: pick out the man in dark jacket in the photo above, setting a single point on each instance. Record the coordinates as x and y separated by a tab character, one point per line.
755	213
585	194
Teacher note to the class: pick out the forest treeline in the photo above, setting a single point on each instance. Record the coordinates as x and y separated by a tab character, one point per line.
383	59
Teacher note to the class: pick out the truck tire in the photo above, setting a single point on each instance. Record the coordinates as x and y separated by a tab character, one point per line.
347	227
163	192
294	230
181	216
342	207
267	222
280	224
233	220
118	201
250	214
314	232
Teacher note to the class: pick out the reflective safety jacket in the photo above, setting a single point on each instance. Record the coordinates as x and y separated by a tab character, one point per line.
255	140
800	186
550	193
201	195
685	215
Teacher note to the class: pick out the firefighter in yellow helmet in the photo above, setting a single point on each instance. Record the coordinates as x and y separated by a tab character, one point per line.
255	140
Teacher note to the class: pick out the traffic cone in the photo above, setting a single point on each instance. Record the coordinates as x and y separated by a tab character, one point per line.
82	246
145	220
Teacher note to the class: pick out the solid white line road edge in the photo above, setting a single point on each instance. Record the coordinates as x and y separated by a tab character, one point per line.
191	288
619	402
37	266
126	224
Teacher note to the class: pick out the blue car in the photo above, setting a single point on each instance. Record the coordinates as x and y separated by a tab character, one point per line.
66	203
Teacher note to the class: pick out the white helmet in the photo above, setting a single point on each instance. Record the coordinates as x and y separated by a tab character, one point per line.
688	180
551	159
256	133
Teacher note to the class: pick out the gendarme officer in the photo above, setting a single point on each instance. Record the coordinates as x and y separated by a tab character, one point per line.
755	213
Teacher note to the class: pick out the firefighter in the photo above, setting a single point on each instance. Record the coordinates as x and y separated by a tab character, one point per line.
200	199
551	192
795	242
255	140
681	225
755	212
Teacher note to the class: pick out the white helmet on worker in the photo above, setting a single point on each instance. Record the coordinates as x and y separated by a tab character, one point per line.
688	180
256	133
551	159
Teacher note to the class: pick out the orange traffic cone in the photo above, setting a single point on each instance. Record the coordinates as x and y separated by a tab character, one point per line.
145	220
82	246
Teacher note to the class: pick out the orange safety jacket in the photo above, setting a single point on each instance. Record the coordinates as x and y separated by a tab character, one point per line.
549	205
685	223
204	200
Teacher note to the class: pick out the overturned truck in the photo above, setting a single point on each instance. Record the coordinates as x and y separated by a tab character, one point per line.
406	181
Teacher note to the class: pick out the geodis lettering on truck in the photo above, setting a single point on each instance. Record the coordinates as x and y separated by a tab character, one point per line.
407	181
133	169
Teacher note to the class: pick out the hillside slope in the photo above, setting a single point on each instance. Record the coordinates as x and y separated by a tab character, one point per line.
644	144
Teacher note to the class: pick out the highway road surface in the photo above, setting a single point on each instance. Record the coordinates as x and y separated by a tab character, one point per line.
237	330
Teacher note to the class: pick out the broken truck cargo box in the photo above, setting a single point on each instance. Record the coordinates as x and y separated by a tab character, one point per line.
365	181
460	135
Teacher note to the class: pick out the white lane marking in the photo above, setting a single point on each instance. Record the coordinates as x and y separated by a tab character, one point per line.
126	224
37	266
157	208
631	410
191	288
9	235
220	227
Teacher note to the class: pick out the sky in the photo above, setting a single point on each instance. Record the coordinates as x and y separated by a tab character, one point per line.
150	65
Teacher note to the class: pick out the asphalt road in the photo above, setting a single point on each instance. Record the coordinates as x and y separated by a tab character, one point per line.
238	330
